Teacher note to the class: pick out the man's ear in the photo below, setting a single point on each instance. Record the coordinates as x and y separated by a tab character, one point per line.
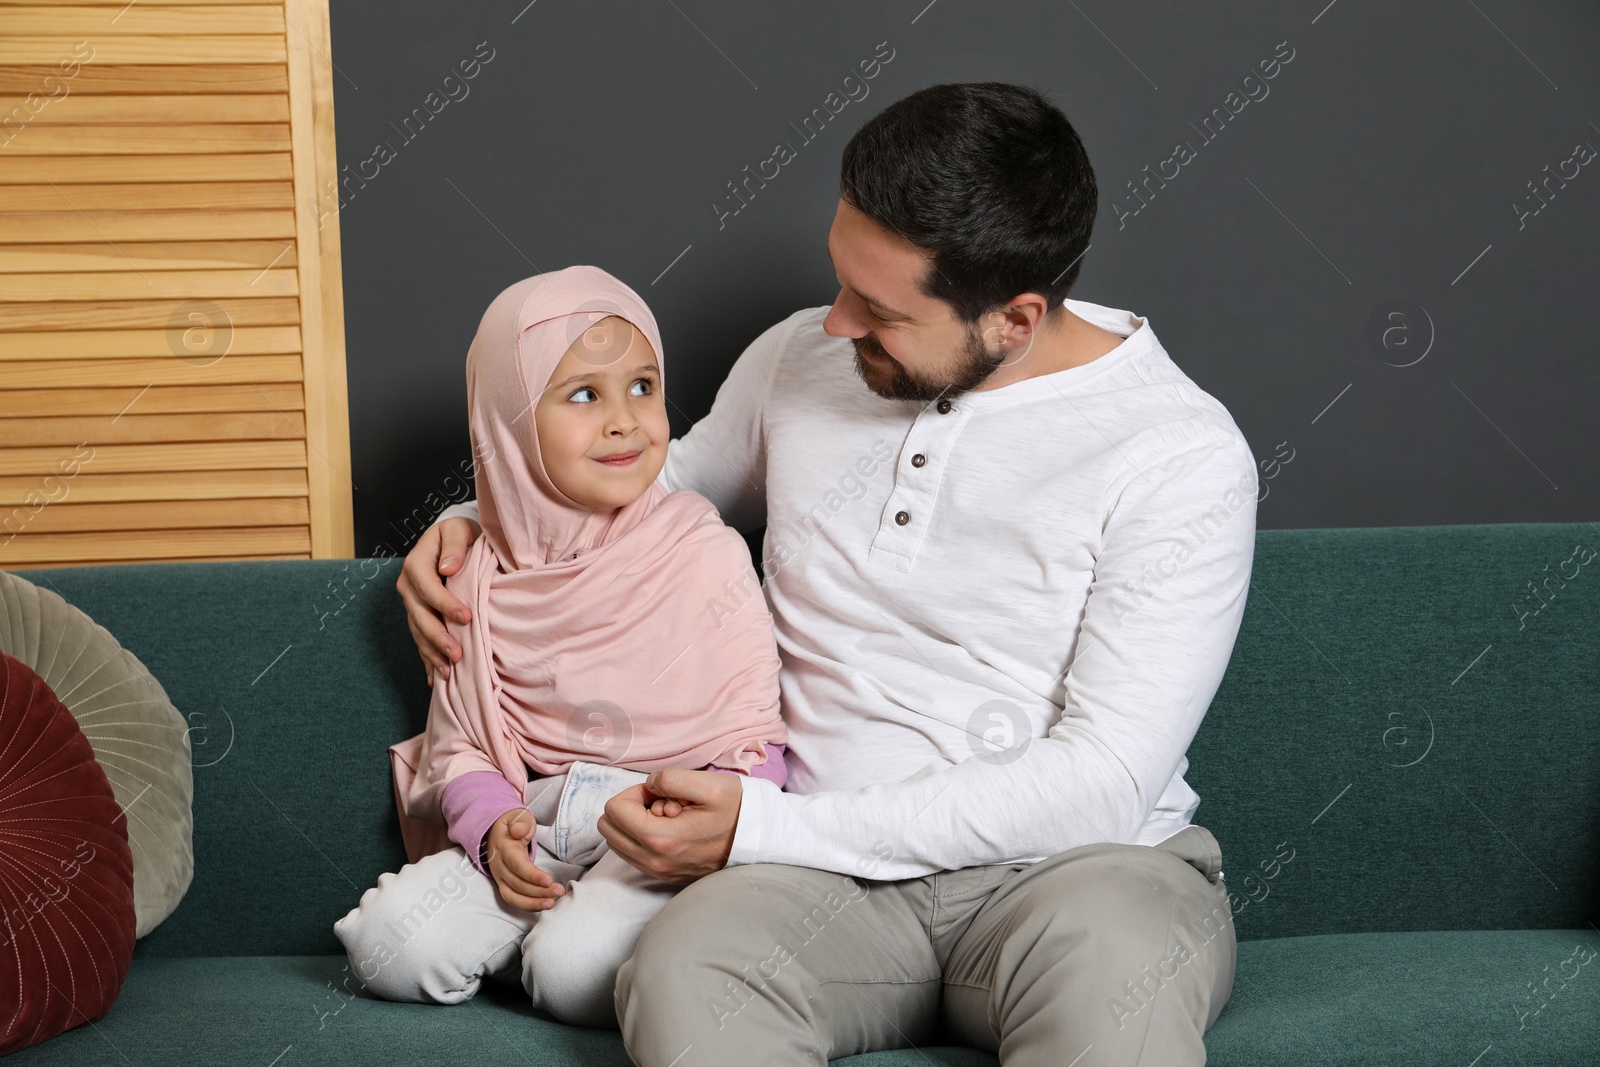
1015	327
1029	310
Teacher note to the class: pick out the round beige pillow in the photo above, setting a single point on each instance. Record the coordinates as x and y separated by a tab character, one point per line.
139	738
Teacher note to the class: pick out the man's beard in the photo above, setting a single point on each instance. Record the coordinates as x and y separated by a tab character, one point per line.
888	378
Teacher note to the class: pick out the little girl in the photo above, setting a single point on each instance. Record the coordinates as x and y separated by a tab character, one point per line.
595	653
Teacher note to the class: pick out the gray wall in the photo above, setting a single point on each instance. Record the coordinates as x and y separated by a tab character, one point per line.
1344	262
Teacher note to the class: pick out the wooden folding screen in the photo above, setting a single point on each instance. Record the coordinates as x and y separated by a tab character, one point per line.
172	380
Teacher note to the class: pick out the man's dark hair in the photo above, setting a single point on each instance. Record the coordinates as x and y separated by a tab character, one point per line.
988	177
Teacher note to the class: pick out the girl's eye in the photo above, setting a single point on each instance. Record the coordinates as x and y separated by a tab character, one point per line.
586	394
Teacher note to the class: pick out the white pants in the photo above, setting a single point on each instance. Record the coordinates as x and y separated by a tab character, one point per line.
433	931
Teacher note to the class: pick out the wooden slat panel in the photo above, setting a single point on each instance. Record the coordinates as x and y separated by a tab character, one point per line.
131	285
20	489
125	344
316	167
188	559
187	163
101	430
150	400
69	517
164	3
121	459
95	78
126	314
31	550
130	110
146	256
148	196
220	48
133	225
206	346
67	171
134	19
169	370
148	140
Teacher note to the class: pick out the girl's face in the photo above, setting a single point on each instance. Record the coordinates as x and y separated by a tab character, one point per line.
602	420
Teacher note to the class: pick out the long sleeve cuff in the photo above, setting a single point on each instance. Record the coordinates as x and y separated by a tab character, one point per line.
755	815
471	803
773	770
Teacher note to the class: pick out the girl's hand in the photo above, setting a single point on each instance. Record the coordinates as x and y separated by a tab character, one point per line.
666	806
521	884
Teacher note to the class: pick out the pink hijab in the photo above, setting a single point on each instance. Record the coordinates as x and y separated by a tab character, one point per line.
635	636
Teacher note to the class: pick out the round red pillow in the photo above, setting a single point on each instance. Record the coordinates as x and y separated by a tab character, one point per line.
66	872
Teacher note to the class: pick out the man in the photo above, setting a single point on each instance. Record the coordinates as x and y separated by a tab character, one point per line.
1006	578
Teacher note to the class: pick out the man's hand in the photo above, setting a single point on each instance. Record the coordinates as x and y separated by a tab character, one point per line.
521	883
682	846
425	596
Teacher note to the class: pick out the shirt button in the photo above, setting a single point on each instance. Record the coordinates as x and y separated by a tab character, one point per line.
902	517
918	460
944	407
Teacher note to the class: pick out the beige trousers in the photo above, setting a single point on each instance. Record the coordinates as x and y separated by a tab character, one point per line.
1104	955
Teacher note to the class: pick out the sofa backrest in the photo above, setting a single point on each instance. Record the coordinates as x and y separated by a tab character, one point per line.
294	675
1404	739
1416	727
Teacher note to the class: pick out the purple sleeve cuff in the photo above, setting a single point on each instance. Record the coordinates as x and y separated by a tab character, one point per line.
773	770
471	803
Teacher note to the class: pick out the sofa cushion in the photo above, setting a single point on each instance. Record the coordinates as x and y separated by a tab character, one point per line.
310	1010
1421	999
1424	999
66	883
139	738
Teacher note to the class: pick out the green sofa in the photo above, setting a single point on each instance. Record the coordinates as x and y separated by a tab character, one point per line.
1402	766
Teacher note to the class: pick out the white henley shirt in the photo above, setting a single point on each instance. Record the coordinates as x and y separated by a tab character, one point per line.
1001	618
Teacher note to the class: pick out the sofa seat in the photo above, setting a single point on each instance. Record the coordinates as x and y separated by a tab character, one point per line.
1432	999
1418	999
